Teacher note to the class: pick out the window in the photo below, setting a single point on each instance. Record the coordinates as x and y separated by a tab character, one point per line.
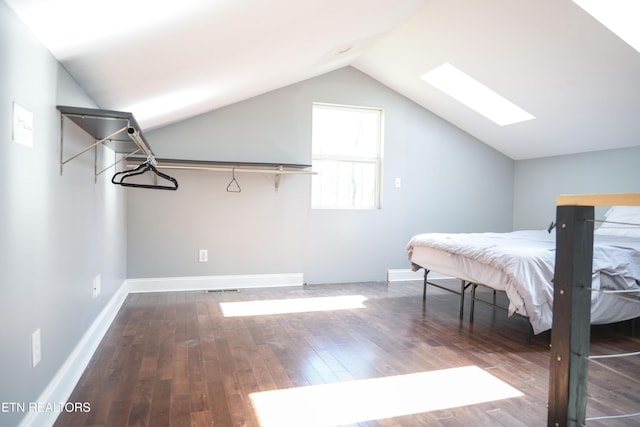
347	151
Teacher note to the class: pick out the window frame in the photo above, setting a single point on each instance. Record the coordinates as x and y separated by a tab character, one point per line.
352	159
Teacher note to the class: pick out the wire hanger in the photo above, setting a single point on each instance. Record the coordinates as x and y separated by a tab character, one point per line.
120	177
234	186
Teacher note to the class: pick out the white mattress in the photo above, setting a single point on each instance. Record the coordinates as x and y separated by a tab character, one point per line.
521	263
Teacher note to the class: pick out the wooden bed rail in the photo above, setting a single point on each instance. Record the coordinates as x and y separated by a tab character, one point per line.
571	327
614	199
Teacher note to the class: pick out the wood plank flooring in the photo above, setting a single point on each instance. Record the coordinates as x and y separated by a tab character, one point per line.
174	359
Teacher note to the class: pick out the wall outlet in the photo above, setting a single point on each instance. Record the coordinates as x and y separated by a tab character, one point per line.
96	286
397	183
203	255
36	348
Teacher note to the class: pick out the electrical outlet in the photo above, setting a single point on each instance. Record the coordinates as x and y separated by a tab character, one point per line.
36	348
203	255
96	286
398	183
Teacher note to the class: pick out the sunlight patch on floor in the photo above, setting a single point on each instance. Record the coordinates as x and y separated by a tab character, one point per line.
378	398
292	305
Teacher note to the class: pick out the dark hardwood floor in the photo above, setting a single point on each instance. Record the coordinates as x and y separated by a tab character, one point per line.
174	359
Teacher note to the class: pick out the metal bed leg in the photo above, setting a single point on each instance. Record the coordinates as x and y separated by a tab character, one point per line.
473	301
424	285
463	287
462	299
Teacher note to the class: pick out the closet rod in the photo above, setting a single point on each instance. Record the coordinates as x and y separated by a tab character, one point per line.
238	169
235	169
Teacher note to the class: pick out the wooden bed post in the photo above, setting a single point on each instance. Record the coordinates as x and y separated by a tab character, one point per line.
571	316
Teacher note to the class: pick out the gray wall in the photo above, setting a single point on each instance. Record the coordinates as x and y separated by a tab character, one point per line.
450	182
537	182
57	232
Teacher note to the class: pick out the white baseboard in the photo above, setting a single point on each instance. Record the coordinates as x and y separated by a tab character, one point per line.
65	380
61	386
205	283
404	274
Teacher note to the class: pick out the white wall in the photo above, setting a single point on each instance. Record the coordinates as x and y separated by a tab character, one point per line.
538	181
56	231
450	182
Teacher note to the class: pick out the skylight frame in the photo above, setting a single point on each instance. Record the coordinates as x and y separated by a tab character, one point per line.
473	94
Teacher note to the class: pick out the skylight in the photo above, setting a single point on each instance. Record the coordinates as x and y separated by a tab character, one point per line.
465	89
619	16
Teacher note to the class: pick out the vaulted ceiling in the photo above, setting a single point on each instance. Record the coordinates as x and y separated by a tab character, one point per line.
579	80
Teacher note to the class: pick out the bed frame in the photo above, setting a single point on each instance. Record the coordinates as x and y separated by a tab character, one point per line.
571	327
464	285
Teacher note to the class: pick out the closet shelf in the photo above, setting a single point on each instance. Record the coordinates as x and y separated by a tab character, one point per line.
117	130
120	131
276	169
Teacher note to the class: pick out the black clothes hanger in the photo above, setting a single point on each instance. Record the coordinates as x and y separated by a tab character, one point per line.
119	177
234	185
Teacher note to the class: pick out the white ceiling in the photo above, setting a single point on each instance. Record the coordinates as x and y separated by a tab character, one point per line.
580	81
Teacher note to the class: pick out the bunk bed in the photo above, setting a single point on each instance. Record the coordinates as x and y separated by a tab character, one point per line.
521	264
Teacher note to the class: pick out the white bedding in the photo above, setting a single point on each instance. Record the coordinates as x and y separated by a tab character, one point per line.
522	264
